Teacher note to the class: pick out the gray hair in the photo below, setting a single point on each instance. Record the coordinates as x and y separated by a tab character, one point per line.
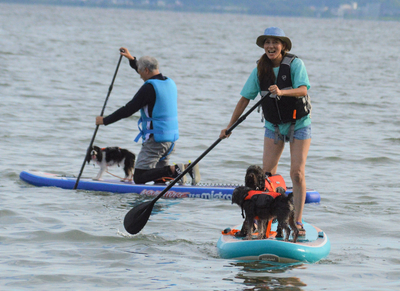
147	62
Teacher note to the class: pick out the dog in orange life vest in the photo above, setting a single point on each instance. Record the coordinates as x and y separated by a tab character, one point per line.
263	205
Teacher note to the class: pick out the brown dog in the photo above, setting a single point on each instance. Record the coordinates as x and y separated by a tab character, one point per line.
264	207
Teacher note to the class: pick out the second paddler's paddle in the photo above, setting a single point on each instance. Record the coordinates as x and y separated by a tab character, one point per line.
138	216
97	126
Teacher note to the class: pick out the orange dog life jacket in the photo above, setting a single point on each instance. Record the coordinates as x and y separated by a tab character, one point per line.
274	181
251	193
273	194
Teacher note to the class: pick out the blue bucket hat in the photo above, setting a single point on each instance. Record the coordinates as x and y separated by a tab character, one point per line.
274	32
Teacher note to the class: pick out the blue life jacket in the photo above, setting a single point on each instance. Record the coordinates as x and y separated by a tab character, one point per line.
165	113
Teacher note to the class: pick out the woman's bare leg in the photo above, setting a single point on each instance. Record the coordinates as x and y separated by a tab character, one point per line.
272	154
298	155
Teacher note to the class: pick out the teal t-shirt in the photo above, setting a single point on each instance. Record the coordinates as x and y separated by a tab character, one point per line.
299	77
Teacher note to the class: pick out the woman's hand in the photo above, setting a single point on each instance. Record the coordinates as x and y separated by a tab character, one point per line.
297	92
223	134
275	90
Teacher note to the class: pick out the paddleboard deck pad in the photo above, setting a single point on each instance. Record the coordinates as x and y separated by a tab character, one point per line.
43	179
310	248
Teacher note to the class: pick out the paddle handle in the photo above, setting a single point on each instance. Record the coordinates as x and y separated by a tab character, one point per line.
97	126
229	130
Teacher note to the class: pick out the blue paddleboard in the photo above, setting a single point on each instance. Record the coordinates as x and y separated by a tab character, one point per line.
43	179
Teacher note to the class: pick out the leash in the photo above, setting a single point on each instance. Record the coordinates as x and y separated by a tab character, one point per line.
114	175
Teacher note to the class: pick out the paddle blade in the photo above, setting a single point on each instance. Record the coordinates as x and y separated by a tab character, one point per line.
138	216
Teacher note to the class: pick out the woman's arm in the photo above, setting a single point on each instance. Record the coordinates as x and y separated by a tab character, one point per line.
240	107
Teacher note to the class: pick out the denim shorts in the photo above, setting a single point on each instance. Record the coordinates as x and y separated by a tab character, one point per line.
301	134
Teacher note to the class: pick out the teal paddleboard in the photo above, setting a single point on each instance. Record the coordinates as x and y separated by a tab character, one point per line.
310	248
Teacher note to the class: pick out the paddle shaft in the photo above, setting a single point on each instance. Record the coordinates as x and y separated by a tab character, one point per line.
239	121
97	126
138	216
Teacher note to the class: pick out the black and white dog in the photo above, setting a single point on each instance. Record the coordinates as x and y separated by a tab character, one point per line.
111	156
264	207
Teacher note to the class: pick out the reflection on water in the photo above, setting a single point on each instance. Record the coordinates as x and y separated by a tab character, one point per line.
260	275
159	206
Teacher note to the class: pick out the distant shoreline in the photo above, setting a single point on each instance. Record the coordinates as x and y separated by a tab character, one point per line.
241	10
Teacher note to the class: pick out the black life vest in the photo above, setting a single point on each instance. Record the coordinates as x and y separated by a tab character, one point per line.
287	108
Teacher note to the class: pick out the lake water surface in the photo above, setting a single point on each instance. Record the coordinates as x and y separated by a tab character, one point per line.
56	66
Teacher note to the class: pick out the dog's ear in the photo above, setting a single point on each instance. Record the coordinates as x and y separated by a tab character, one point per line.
261	182
239	194
290	196
96	151
260	178
88	155
236	196
250	180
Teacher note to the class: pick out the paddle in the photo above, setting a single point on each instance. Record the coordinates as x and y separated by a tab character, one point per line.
138	216
97	126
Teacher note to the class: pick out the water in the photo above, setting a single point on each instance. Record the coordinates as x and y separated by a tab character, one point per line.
56	66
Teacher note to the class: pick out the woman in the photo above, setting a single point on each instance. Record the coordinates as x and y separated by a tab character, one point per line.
286	110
